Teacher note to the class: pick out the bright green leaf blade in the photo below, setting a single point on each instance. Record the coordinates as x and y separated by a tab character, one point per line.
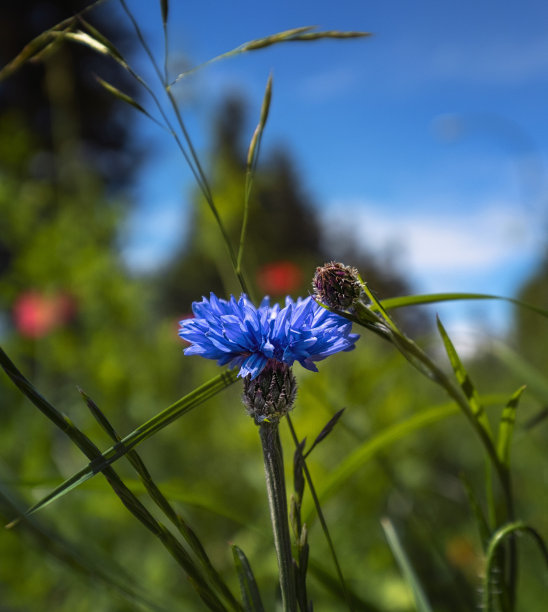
368	449
506	427
421	601
161	420
248	585
464	381
434	298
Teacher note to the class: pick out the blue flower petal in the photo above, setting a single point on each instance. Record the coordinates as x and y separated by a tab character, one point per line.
237	333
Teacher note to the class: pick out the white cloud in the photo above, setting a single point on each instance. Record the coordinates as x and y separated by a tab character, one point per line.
432	242
504	62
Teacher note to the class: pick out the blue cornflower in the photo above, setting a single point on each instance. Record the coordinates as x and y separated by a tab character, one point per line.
237	333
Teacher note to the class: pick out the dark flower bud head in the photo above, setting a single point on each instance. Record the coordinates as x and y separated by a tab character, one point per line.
336	285
270	396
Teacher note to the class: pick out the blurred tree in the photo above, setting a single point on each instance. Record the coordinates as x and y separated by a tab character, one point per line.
285	241
66	153
59	99
531	332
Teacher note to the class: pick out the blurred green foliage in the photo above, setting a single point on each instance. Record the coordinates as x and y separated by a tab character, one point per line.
117	340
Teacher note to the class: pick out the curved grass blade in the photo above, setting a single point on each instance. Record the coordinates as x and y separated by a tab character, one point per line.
161	502
506	427
421	601
465	381
127	497
434	298
368	449
77	559
303	33
498	538
248	585
103	40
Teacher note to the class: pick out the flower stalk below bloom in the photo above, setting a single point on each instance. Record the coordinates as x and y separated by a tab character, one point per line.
277	501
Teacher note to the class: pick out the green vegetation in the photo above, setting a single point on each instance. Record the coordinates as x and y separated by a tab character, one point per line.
412	498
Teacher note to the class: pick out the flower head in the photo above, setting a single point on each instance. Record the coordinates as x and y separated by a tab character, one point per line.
336	285
237	333
271	395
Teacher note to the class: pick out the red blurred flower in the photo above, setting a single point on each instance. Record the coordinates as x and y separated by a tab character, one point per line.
36	314
279	278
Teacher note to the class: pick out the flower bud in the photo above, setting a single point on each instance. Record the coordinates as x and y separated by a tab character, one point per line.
271	395
336	285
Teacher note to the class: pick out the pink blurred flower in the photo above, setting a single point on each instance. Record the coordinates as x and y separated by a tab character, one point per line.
279	278
36	314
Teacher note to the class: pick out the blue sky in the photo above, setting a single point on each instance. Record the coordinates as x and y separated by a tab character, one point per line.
428	139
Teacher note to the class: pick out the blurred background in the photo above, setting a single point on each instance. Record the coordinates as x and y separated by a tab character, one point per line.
416	154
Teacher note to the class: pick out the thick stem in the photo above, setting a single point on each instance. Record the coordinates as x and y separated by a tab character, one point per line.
277	500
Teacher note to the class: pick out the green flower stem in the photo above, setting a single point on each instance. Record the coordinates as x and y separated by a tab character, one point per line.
277	500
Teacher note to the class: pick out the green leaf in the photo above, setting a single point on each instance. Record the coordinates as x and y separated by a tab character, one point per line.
248	585
506	427
465	381
145	431
421	601
368	449
434	298
163	504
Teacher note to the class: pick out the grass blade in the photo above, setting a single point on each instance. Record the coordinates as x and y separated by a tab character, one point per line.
304	33
161	502
421	601
434	298
248	586
368	449
323	522
506	427
102	460
465	381
252	158
326	430
498	538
